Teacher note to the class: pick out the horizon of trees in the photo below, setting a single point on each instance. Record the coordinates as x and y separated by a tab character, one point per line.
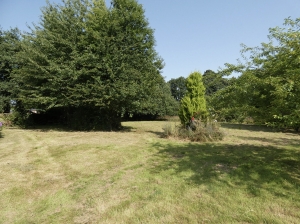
90	66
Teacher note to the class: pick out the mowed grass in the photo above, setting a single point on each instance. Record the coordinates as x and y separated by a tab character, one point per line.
136	176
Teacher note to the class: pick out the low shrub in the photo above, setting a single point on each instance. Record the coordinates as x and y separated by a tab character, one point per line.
170	129
198	131
248	120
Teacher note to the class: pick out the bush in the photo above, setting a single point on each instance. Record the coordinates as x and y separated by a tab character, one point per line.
13	119
196	132
170	130
248	120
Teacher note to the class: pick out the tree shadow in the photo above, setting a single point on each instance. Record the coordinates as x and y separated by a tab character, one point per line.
249	127
159	134
274	141
64	128
126	128
255	168
48	128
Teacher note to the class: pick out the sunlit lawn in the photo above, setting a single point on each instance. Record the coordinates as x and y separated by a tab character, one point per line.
136	176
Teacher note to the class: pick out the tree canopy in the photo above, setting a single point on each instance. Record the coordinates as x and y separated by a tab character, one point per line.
178	87
9	46
213	82
83	56
268	88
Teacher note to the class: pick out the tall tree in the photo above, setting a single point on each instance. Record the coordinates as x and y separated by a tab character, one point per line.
9	46
85	55
213	82
52	57
269	86
193	104
131	67
178	88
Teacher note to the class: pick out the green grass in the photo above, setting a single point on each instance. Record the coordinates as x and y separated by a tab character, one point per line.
136	176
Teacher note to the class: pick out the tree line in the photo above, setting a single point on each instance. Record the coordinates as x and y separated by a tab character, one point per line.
267	88
88	65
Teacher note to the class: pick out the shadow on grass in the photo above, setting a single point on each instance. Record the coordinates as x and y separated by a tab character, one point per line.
1	134
63	128
274	141
249	127
253	168
126	128
159	134
47	128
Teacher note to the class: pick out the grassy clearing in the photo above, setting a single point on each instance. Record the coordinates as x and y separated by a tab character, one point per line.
135	176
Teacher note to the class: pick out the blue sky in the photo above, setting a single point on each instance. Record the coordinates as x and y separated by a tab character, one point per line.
190	34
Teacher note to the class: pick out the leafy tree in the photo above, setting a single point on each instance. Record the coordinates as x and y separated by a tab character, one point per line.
86	58
269	86
160	104
171	105
213	82
228	104
9	46
193	104
178	88
52	57
131	65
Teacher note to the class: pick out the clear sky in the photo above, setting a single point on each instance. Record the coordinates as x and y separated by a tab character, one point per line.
190	34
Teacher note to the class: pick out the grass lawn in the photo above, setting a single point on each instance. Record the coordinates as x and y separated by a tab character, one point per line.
135	176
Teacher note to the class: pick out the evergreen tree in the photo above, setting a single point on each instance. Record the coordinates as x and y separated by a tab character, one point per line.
193	104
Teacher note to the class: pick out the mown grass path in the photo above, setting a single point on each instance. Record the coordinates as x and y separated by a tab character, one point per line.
135	176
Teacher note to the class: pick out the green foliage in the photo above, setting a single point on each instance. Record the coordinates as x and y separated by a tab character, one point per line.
269	86
18	118
186	110
53	58
213	82
225	105
159	103
9	46
84	55
178	87
193	104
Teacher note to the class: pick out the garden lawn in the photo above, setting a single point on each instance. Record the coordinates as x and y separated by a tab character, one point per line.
136	176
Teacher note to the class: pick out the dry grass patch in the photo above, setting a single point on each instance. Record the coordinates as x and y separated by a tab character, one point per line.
135	176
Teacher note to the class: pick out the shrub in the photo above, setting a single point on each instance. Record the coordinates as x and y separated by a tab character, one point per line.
248	120
170	130
13	119
198	132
